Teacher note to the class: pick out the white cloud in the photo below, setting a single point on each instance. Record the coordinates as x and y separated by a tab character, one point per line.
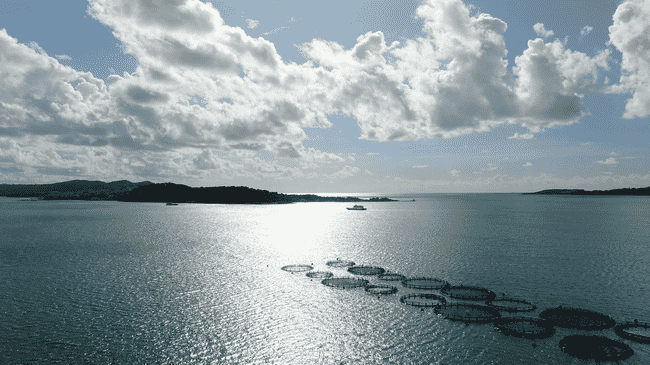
541	31
630	34
613	153
609	161
252	24
586	144
586	30
372	154
455	172
63	57
490	167
420	166
522	136
528	164
274	31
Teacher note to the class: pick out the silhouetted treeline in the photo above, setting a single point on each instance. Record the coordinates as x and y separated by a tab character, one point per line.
624	191
74	189
166	192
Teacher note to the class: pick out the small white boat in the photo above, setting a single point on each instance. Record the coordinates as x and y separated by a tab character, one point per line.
356	207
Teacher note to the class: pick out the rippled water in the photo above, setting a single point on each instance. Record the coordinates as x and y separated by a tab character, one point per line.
101	282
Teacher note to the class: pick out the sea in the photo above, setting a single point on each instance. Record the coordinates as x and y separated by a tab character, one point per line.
103	282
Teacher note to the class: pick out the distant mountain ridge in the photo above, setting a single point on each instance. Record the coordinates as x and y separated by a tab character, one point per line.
624	191
147	191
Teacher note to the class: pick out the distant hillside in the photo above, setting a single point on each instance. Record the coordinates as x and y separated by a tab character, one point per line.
625	191
74	189
167	192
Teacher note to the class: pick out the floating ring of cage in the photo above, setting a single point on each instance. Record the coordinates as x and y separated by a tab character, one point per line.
380	289
469	313
340	263
599	348
320	274
577	318
391	277
512	305
297	268
626	331
345	282
525	327
425	283
365	270
469	293
423	300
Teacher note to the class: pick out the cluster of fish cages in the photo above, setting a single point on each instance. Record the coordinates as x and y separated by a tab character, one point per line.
577	318
423	300
525	327
425	283
599	348
586	347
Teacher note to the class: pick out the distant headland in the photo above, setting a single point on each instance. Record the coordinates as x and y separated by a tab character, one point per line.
625	191
147	191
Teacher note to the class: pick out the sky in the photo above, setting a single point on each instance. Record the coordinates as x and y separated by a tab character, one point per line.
379	96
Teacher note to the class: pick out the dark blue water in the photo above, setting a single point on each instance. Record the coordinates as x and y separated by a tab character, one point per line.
102	282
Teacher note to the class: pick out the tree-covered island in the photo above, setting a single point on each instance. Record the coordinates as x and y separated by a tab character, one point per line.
147	191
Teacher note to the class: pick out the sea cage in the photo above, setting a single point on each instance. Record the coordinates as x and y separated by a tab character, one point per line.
577	318
366	270
525	327
425	283
468	293
468	313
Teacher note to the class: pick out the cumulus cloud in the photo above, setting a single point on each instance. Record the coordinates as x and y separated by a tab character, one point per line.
252	24
528	164
609	161
455	81
63	57
420	166
630	34
455	172
586	30
541	31
452	82
522	136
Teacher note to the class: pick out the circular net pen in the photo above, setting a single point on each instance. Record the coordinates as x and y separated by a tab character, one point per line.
345	283
577	318
468	313
425	283
340	263
423	300
365	270
599	348
320	274
525	327
512	305
469	293
635	331
380	289
391	277
297	268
